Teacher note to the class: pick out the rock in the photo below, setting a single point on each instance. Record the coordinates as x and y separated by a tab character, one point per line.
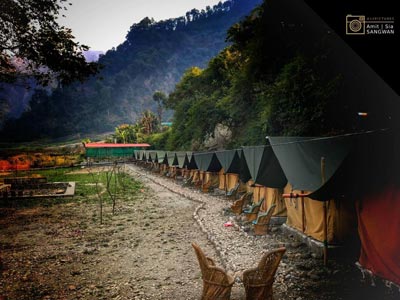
295	245
314	277
89	251
306	255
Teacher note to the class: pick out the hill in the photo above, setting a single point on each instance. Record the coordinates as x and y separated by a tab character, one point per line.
153	57
285	73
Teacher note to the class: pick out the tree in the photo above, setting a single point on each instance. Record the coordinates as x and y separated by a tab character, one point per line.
149	122
32	43
125	133
160	98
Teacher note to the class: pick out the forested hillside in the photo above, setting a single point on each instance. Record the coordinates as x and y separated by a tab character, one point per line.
285	73
153	57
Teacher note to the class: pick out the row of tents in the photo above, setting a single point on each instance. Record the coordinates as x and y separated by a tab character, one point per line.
332	189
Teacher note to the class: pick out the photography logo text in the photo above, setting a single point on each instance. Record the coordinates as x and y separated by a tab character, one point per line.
364	25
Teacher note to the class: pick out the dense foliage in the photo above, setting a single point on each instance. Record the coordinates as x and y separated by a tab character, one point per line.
32	43
153	58
283	74
140	132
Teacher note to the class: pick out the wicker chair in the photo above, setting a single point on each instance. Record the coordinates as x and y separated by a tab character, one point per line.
258	281
237	206
205	188
261	225
217	284
188	181
252	212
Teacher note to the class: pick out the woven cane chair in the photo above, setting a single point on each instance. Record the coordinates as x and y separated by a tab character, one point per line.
258	281
261	225
217	284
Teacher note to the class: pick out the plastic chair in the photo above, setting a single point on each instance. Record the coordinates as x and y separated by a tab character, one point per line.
261	224
252	212
232	193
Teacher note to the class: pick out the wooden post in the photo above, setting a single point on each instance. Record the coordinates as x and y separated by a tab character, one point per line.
303	223
325	215
225	183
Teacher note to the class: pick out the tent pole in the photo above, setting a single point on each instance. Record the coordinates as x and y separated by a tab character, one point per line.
225	183
303	225
325	215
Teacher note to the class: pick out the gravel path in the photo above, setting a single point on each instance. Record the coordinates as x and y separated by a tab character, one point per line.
144	252
300	276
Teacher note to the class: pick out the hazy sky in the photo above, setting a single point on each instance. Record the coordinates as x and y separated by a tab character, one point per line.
103	24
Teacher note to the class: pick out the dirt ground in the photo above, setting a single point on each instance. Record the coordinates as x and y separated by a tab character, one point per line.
142	252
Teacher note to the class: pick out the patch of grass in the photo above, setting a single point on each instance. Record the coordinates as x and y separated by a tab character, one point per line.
124	186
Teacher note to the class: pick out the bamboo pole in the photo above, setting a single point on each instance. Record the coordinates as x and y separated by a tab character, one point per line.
225	183
325	215
302	213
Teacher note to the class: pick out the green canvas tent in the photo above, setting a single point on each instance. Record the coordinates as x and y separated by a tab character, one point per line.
144	155
138	154
264	167
187	159
192	165
300	158
170	156
152	155
229	160
207	162
180	159
161	157
244	173
333	221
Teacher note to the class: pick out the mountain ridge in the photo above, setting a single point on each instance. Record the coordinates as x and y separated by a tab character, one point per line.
153	57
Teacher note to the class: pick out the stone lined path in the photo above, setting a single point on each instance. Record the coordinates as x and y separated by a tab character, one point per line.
236	249
300	275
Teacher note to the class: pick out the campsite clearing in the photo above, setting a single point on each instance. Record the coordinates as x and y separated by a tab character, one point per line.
144	251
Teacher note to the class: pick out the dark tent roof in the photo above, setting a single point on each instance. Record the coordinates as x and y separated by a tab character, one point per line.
229	160
300	158
170	156
152	155
372	165
207	162
264	167
189	155
147	154
253	157
179	159
187	159
161	157
144	155
244	173
192	165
